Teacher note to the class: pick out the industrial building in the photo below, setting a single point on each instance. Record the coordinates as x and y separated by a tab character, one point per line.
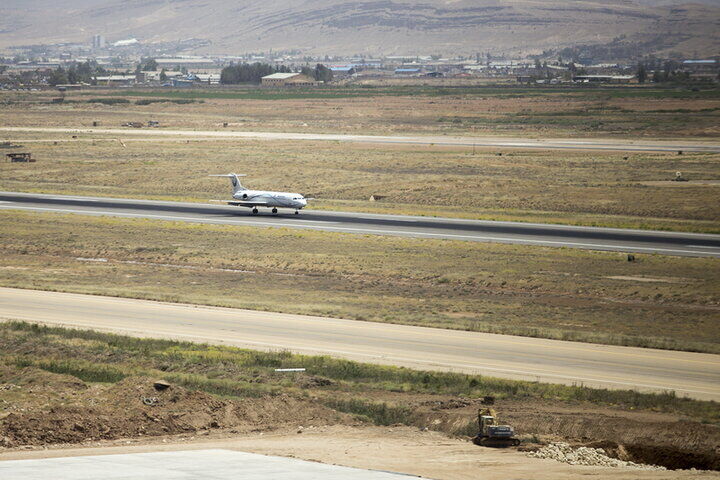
98	41
605	78
189	63
288	79
111	80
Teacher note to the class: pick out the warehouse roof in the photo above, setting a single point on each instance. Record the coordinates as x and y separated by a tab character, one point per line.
281	75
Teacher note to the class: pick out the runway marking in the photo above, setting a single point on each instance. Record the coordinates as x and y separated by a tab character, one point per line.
369	230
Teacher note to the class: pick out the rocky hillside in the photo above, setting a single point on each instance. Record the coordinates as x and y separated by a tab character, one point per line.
368	27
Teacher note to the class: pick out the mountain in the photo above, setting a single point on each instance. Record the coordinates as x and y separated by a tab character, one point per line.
370	27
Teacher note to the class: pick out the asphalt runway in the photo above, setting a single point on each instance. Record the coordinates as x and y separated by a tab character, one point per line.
694	375
622	240
624	145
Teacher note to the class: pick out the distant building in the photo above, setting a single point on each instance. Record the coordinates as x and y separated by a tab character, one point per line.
605	78
190	63
342	70
288	79
700	62
701	66
407	71
112	80
208	78
182	82
98	41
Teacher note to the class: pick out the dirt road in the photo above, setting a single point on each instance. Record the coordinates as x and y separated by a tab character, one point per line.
485	141
692	374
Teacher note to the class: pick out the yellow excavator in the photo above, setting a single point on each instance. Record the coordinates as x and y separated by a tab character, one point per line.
491	433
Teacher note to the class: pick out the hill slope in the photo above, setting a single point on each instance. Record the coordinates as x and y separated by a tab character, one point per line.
369	27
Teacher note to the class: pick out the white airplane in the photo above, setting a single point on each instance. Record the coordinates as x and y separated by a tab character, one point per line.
242	197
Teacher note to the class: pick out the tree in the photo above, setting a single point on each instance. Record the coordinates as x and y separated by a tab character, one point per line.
163	75
641	73
323	74
150	65
58	77
251	73
307	71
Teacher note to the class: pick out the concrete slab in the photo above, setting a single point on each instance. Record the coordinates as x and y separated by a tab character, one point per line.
183	465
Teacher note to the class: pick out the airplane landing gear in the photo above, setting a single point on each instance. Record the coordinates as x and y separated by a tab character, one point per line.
297	212
274	210
255	211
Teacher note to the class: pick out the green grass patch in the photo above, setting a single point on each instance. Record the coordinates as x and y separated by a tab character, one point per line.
103	357
109	101
499	91
377	413
178	101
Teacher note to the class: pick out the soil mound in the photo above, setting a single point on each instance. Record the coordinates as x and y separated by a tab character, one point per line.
41	379
136	407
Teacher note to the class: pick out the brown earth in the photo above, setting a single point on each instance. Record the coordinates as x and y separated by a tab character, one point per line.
40	409
59	409
642	437
397	449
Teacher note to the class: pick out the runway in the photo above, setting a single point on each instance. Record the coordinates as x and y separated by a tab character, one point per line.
608	144
621	240
688	374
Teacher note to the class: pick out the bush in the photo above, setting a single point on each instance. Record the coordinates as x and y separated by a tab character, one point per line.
109	101
180	101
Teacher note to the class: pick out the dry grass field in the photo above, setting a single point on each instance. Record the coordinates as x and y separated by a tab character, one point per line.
573	187
665	302
391	109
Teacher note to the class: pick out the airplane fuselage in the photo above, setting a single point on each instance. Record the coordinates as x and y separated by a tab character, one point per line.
262	198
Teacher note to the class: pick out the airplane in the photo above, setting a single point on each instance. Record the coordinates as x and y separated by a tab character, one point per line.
242	197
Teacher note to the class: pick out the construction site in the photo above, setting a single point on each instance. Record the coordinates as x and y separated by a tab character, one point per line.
112	399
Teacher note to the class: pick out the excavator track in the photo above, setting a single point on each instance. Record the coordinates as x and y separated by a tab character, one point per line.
496	442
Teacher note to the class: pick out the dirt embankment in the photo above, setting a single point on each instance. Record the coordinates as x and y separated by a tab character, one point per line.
640	437
45	409
38	408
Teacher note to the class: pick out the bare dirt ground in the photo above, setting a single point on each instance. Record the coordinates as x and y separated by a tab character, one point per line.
41	408
398	449
45	414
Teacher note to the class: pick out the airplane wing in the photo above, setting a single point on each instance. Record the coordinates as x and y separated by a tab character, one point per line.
242	203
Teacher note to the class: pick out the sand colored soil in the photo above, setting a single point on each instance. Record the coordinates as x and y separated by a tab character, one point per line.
398	449
642	437
63	411
40	410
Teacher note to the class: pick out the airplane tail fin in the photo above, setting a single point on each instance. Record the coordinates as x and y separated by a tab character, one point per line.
237	186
